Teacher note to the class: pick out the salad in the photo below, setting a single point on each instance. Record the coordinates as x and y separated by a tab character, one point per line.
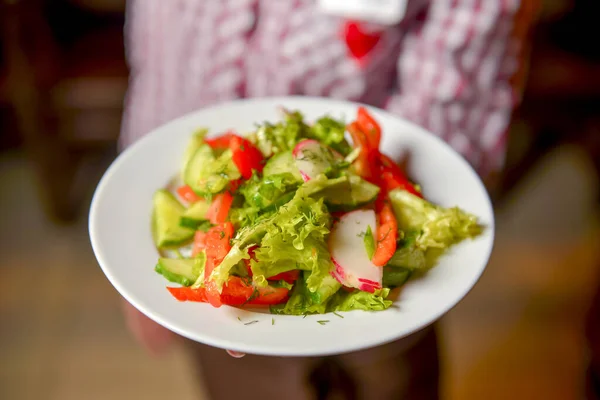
296	217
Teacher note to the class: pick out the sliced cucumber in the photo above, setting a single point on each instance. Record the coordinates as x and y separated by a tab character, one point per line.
165	221
394	276
182	271
196	141
208	175
281	163
345	192
363	192
195	215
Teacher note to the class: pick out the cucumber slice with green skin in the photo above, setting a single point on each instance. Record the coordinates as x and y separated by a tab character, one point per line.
196	141
195	215
165	221
395	276
208	175
346	192
282	163
199	225
363	192
183	271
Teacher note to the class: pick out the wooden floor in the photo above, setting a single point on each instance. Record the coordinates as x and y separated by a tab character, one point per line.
517	335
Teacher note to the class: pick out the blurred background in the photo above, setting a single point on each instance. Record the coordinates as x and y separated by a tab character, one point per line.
518	334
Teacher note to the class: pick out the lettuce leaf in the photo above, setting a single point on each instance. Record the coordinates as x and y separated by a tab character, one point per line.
294	239
359	300
439	227
300	302
262	192
331	132
245	238
282	136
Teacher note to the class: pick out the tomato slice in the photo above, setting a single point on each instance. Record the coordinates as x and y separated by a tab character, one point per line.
219	208
387	233
364	164
288	276
199	243
245	156
217	246
392	177
369	126
236	292
220	142
247	262
187	194
234	185
188	294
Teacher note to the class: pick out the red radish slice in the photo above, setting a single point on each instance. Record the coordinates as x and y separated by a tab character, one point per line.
312	158
353	268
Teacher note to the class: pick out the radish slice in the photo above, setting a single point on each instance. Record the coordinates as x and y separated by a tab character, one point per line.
353	268
312	158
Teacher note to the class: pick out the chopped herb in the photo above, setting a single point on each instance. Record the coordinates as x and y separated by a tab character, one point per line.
239	319
323	322
339	315
369	241
222	234
251	322
305	315
272	321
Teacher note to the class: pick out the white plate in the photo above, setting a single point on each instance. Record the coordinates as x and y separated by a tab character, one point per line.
120	234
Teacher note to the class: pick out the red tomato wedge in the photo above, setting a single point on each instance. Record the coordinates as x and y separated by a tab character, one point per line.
219	208
234	185
369	127
387	233
217	246
236	292
188	294
187	194
364	164
288	276
220	142
245	156
392	177
199	243
247	262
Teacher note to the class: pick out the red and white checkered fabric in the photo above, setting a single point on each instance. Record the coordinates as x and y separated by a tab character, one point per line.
447	66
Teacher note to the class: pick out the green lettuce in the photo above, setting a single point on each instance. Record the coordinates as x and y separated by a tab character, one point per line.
300	302
282	136
262	192
359	300
294	239
439	227
245	238
331	132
